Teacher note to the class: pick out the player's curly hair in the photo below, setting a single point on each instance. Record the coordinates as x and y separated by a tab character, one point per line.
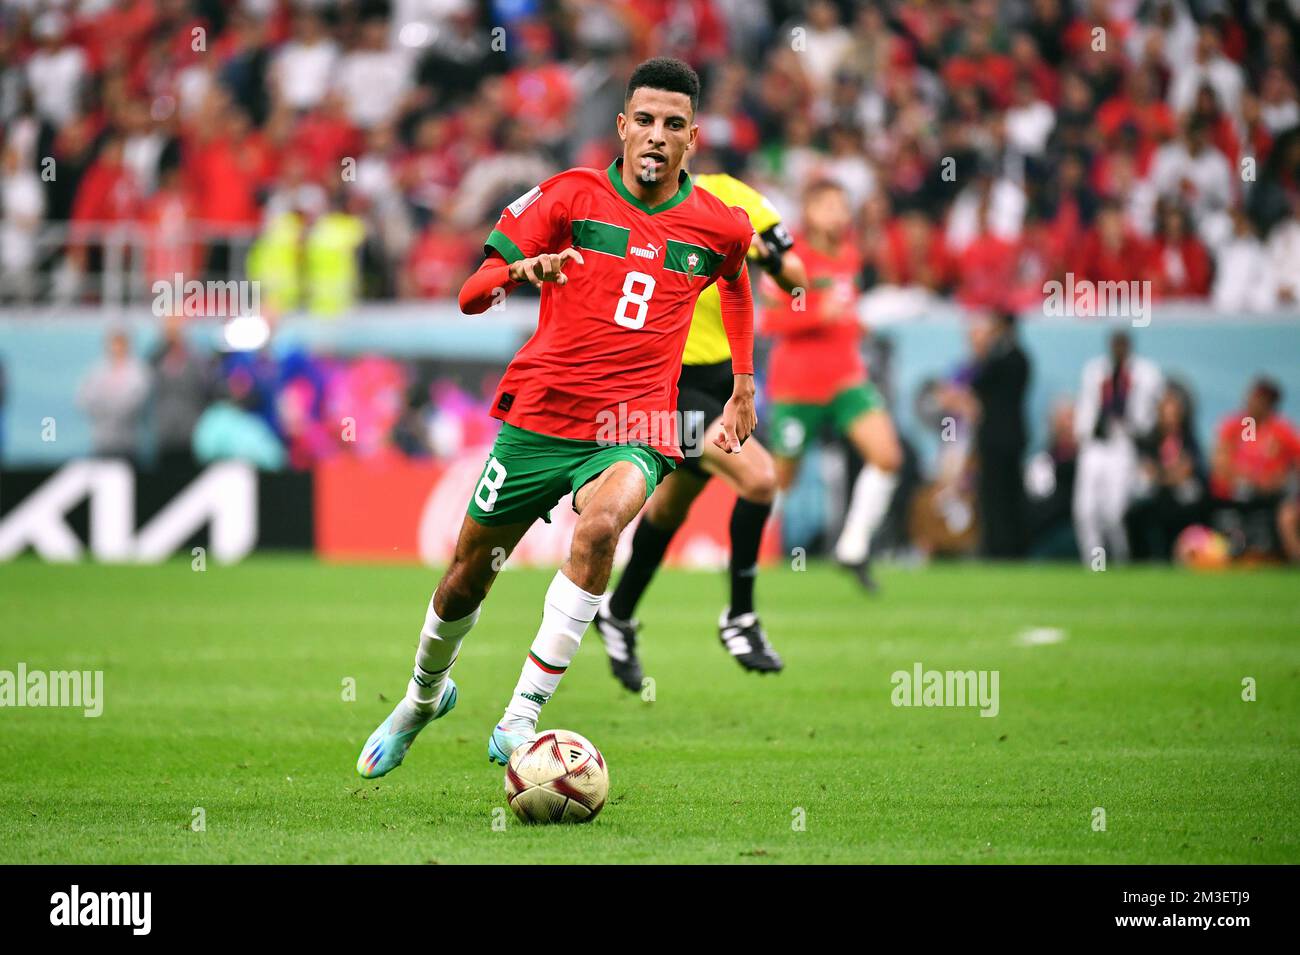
665	73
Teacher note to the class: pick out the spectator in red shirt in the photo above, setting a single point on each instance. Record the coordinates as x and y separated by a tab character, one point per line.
1139	107
167	218
439	261
108	191
540	91
988	267
1180	266
912	252
1029	63
1258	452
1068	208
978	64
1111	251
106	196
117	33
325	137
225	173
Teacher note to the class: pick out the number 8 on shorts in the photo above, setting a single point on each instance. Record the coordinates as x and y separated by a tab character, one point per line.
494	474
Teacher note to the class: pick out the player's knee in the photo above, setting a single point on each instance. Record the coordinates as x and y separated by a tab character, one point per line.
596	535
461	592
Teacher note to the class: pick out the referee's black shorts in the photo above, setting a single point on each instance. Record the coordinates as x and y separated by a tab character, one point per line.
702	391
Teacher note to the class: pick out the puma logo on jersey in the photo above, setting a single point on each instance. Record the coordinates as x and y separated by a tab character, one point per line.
649	251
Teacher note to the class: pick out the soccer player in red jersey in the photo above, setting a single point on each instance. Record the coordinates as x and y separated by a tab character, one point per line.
588	404
816	374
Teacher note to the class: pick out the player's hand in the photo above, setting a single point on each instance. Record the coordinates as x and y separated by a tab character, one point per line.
738	416
547	267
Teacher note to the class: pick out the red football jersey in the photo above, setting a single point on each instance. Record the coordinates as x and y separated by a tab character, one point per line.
607	352
816	354
1266	459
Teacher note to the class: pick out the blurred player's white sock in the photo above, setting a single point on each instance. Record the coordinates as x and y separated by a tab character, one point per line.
439	642
569	610
872	492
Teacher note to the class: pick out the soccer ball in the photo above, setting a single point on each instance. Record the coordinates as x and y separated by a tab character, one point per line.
1202	548
556	777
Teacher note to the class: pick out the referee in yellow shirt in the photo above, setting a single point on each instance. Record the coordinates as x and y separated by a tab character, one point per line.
704	387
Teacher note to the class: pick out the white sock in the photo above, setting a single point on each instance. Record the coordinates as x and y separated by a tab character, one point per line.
568	611
872	492
439	643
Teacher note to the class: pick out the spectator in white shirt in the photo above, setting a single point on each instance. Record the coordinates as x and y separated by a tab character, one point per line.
1277	102
1191	171
1006	211
1209	65
1029	120
56	71
373	78
1284	256
826	43
848	165
304	67
1243	277
22	201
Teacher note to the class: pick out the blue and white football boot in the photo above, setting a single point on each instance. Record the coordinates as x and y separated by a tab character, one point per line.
503	742
387	746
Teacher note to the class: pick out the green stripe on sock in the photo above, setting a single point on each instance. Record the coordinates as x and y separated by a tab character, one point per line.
544	665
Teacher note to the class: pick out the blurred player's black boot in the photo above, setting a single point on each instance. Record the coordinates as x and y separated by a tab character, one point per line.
862	571
619	638
744	639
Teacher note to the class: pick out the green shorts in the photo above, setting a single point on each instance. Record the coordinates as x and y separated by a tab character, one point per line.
527	473
791	424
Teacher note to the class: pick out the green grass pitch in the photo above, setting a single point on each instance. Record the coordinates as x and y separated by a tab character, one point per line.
224	691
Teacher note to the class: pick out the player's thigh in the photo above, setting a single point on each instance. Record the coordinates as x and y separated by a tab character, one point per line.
672	499
751	473
870	429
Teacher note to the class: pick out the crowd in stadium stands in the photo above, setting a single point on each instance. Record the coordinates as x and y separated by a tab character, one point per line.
181	406
336	149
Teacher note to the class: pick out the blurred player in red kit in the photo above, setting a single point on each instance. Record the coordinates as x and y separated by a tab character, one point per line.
817	374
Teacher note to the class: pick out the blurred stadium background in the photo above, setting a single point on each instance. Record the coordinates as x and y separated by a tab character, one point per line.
345	161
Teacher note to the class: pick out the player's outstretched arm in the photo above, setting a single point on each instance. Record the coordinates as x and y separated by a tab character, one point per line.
782	263
738	416
495	279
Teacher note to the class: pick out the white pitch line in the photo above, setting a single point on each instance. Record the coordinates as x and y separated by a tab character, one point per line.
1040	636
